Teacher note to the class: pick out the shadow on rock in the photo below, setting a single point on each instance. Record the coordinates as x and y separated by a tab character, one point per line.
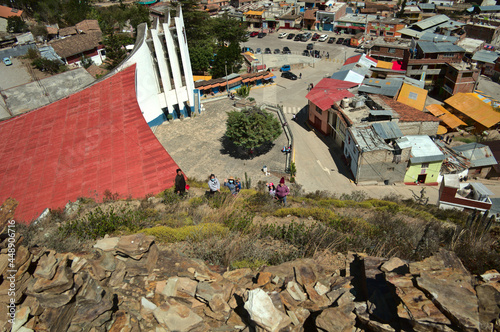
231	149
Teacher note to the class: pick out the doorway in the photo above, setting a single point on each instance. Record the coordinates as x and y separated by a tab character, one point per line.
421	178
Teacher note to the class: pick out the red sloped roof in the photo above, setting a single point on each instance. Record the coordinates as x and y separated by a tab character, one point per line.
93	140
6	12
329	91
353	59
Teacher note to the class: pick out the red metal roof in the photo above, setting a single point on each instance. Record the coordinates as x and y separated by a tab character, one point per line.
94	140
353	59
329	91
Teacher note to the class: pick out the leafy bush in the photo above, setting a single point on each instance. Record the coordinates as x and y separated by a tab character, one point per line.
253	264
196	233
99	222
243	91
196	201
51	66
320	214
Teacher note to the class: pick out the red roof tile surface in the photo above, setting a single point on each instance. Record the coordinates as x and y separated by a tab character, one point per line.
353	59
7	12
329	91
94	140
408	113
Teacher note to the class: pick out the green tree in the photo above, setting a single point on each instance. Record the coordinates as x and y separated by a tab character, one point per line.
51	66
39	30
228	30
251	128
75	11
227	59
201	55
16	24
115	52
138	14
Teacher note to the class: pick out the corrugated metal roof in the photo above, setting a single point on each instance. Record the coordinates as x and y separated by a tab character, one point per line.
479	155
449	119
368	139
427	6
381	113
481	189
47	52
485	56
445	47
414	82
431	21
413	96
410	32
387	87
433	37
489	8
387	130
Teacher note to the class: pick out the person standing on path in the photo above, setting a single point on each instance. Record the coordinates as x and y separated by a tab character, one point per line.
231	185
282	191
300	76
213	184
180	183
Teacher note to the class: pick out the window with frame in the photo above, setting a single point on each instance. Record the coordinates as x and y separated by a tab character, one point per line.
425	165
373	32
449	55
392	50
389	33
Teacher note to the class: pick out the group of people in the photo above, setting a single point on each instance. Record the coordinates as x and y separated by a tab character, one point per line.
286	149
234	185
279	192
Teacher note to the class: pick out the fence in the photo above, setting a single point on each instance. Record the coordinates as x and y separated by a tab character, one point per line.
288	133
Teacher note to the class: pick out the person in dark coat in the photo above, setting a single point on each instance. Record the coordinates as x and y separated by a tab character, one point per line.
180	183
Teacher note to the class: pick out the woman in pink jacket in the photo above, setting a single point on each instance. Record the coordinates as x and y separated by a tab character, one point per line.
282	191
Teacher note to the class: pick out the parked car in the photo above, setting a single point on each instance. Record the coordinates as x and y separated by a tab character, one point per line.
258	51
323	38
310	46
298	37
286	50
289	75
277	51
267	50
290	36
315	37
253	34
285	68
283	35
7	61
262	35
340	41
347	42
305	36
306	53
331	40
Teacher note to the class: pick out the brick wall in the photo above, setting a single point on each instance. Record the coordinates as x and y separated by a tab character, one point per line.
379	166
419	128
383	51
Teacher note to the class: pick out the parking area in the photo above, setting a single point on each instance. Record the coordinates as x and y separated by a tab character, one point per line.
14	75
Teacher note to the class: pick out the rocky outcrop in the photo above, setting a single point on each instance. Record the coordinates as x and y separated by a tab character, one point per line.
132	284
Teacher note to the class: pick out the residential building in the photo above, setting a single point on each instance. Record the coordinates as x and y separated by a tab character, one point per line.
463	196
486	32
388	49
485	61
355	69
353	23
254	18
445	3
74	48
459	77
309	19
480	157
371	156
440	24
325	19
429	61
428	10
471	46
5	13
384	87
385	27
472	111
381	9
214	5
290	21
322	98
412	14
425	159
495	149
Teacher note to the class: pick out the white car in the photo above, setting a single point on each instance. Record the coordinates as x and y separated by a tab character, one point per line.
283	35
323	38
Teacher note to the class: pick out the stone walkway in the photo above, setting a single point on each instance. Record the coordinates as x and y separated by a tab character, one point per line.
197	146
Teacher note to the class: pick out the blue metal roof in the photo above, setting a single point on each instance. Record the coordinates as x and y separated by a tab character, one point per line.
485	56
387	130
443	47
